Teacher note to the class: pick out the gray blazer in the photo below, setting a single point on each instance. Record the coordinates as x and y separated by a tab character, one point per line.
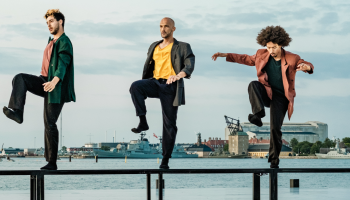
182	59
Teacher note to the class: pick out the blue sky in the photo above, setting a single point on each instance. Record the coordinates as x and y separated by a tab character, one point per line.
111	38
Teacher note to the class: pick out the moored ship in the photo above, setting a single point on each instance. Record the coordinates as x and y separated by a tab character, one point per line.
141	149
335	153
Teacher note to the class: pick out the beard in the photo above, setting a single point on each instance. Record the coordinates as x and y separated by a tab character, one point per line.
165	35
55	31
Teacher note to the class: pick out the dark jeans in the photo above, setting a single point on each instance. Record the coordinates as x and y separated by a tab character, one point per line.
278	108
25	82
153	88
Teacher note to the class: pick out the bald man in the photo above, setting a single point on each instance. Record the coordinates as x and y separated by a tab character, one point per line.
168	62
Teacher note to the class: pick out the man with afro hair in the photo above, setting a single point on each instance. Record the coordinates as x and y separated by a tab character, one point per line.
276	69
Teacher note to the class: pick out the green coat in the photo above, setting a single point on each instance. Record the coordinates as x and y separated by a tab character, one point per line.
62	66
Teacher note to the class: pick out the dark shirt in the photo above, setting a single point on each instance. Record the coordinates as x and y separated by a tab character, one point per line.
274	75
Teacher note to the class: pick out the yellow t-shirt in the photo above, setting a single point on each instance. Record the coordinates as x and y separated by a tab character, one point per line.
162	62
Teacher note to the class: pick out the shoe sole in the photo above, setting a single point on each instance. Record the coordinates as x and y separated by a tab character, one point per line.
7	112
253	122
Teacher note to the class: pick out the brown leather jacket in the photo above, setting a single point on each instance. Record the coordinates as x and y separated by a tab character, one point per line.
289	63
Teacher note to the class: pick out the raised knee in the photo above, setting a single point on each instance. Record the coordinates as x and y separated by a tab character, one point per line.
134	86
252	84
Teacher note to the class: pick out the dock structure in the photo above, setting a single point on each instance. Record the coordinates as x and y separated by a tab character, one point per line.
37	177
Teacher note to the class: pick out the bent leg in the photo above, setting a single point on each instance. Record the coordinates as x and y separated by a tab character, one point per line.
51	114
139	91
167	95
278	109
22	83
258	98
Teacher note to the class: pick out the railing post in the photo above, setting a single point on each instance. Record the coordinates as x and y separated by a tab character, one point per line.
148	186
40	187
160	186
256	186
32	187
273	185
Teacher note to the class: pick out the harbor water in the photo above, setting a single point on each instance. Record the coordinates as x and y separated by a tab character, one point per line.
186	186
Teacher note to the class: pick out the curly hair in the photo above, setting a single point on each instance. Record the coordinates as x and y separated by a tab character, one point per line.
275	34
56	14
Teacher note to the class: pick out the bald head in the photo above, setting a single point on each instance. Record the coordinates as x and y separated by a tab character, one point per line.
169	21
167	27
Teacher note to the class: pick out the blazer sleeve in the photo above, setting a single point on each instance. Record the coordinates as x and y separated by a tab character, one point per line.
299	61
65	56
189	60
241	59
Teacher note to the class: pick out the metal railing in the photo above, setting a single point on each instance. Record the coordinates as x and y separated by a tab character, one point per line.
37	177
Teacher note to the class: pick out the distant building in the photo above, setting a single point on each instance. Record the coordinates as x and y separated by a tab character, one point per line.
311	131
215	143
201	149
112	144
11	150
264	141
29	152
261	150
238	143
88	147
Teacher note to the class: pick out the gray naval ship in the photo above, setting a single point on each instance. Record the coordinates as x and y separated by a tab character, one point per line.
141	149
335	153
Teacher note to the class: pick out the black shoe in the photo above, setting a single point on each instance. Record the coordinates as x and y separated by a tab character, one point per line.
15	115
143	126
274	166
164	167
50	166
275	163
255	120
164	164
140	129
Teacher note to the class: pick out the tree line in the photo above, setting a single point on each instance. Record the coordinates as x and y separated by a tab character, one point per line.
306	147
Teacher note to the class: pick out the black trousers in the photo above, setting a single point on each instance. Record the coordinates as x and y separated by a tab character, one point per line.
278	107
153	88
25	82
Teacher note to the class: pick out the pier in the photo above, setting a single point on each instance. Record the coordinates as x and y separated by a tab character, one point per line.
37	177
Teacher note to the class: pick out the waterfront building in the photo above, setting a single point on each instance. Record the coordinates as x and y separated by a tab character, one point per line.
202	150
11	150
311	131
89	147
29	152
238	143
112	144
255	140
261	150
215	143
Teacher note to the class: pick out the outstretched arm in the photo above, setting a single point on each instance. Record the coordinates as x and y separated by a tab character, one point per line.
238	58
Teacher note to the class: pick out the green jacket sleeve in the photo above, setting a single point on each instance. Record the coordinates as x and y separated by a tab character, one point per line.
65	55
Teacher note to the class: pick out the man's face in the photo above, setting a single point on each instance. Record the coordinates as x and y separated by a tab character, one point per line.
166	28
53	25
274	49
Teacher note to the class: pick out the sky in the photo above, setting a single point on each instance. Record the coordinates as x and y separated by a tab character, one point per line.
111	39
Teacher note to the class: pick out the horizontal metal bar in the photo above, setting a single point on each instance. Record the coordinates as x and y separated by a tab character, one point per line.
132	171
173	171
313	170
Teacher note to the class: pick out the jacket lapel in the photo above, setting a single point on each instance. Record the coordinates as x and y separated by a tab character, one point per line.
284	66
173	53
264	58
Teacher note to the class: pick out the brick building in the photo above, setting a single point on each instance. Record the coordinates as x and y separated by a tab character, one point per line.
215	143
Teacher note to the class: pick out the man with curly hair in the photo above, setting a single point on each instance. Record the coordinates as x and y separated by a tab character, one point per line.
276	70
55	85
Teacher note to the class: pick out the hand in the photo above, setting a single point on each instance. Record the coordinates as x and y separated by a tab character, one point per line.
218	54
50	86
172	79
303	67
